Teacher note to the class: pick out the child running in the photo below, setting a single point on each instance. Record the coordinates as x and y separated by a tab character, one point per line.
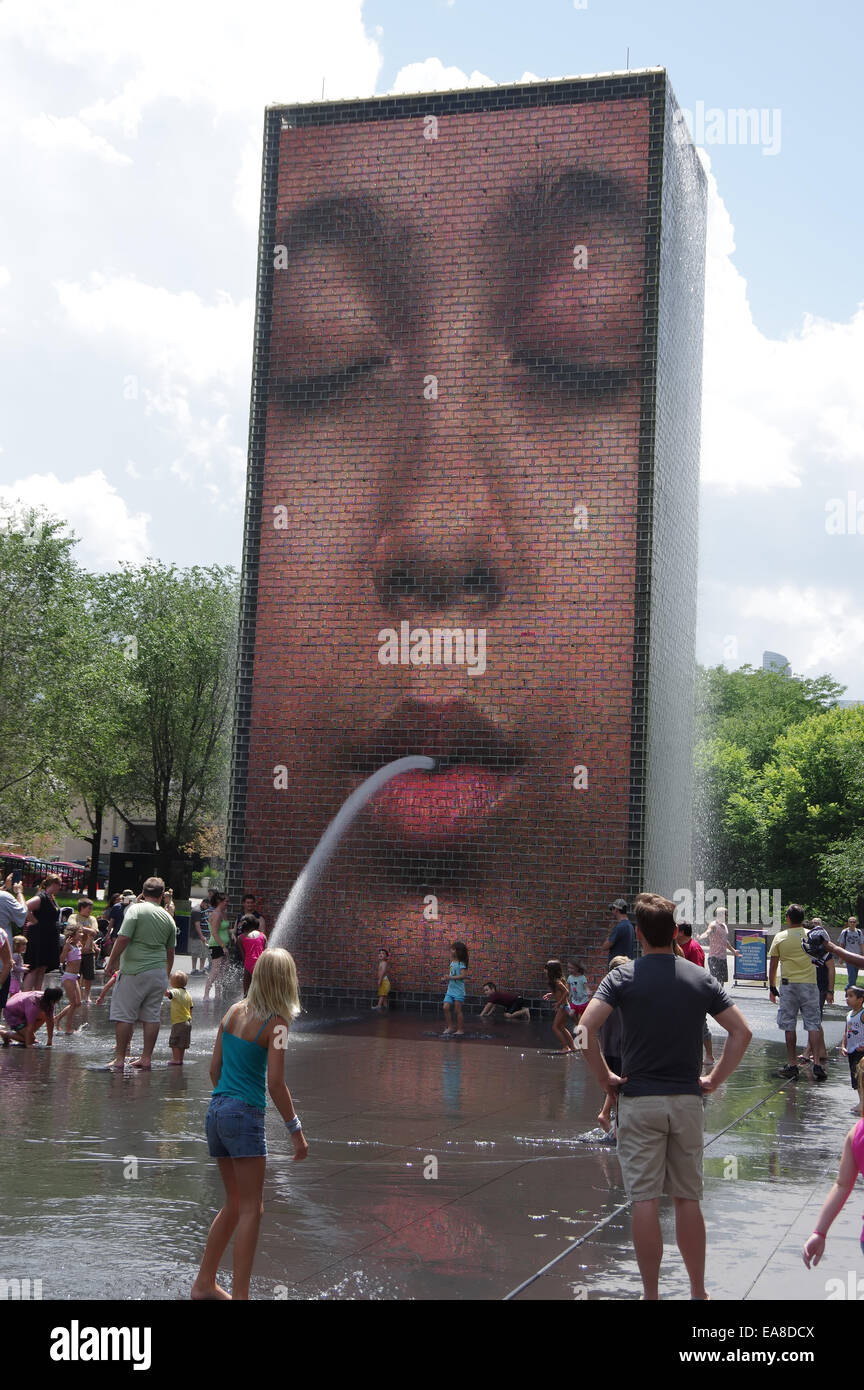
851	1164
559	995
181	1017
383	980
250	1046
456	988
852	1045
609	1038
70	961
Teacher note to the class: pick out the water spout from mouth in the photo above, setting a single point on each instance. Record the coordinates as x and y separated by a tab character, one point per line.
292	910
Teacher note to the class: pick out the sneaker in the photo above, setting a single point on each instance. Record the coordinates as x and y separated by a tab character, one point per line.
788	1073
448	1033
819	1073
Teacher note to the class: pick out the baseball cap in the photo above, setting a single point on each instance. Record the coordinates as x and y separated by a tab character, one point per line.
621	904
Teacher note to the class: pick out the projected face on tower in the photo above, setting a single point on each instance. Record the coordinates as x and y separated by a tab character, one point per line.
448	542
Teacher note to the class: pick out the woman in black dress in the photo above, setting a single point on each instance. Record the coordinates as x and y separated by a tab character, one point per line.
42	932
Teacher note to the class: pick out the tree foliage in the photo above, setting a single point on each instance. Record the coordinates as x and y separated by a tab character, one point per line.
780	771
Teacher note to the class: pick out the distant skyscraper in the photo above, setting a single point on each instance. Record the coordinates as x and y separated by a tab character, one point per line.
774	661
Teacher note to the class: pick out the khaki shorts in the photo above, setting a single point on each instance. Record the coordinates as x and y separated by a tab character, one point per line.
180	1035
138	998
660	1141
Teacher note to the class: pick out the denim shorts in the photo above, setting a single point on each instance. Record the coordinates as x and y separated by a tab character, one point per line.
454	995
235	1129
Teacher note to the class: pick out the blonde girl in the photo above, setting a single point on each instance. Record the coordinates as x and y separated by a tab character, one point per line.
249	1050
559	995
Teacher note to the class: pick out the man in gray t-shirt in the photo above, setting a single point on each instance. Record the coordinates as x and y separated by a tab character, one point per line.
662	1000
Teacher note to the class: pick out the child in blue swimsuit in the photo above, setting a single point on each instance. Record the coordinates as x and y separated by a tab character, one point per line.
456	988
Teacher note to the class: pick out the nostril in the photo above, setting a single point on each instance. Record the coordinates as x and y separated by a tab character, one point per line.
416	585
482	584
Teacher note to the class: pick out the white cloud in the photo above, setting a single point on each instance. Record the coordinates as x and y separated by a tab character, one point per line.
826	624
5	277
234	59
173	335
775	412
94	510
187	362
432	76
69	135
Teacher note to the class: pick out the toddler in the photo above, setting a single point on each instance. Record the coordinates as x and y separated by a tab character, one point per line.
181	1017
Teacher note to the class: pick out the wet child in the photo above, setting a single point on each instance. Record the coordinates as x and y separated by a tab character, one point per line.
251	941
514	1005
852	1045
609	1038
249	1050
109	984
70	963
851	1164
559	995
181	1017
455	995
383	980
577	983
83	919
26	1013
19	969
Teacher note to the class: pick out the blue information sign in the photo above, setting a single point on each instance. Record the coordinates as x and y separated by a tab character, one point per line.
752	964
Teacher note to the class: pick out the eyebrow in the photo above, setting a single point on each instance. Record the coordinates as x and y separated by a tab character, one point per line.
557	194
358	222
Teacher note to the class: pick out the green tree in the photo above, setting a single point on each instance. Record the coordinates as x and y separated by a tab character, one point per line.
91	761
842	872
40	589
177	631
811	795
739	717
751	708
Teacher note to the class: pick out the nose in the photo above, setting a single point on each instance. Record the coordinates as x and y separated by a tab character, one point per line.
444	542
418	573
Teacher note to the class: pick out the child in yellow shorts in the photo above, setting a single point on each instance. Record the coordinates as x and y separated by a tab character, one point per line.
181	1017
383	981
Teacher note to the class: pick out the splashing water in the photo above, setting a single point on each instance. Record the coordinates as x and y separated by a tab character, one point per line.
293	908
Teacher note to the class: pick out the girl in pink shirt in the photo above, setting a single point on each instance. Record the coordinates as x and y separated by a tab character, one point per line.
251	942
851	1164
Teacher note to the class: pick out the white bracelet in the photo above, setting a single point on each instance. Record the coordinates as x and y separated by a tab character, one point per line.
293	1126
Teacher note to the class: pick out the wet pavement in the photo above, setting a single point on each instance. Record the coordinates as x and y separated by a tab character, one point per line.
438	1168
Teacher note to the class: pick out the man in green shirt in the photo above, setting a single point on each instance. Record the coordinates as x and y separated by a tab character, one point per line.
143	954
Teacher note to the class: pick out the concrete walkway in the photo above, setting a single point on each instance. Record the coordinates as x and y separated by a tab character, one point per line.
438	1169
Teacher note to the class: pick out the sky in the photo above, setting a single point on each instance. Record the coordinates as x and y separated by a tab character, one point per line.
130	145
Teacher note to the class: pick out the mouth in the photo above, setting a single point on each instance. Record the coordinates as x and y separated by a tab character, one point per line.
477	768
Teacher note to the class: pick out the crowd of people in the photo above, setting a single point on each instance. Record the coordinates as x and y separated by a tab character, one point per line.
132	942
652	1076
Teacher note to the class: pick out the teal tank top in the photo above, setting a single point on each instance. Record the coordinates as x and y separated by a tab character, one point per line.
244	1069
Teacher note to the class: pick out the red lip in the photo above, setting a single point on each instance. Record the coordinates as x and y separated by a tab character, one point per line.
478	766
430	807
